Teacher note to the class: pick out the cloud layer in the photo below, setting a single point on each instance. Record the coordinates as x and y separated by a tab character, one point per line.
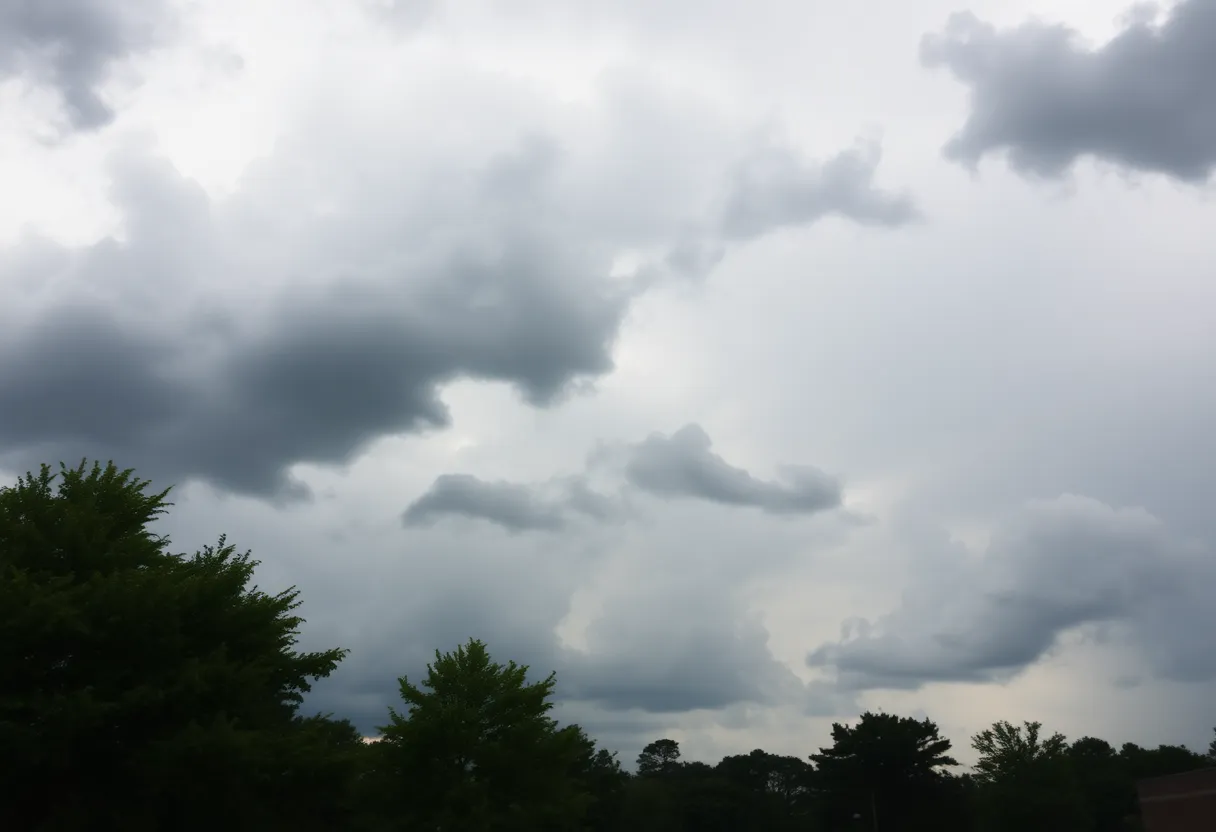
416	259
228	340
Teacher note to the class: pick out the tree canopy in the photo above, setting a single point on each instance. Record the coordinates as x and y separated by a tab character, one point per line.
476	749
129	670
885	768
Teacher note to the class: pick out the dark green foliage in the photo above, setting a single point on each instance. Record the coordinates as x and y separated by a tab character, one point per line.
1027	782
886	770
141	689
770	792
475	749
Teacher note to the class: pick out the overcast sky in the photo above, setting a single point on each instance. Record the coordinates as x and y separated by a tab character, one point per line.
749	364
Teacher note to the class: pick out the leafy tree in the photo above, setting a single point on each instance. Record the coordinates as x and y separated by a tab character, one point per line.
143	689
475	750
885	769
1004	749
1212	748
659	757
1027	782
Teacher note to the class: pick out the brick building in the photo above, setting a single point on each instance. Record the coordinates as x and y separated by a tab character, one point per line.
1179	802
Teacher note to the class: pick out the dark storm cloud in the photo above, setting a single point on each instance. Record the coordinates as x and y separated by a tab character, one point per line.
774	188
684	465
1144	101
235	396
514	506
72	44
326	303
1060	564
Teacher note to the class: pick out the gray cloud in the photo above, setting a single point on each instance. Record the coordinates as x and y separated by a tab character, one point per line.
775	188
236	395
1058	565
72	44
684	465
325	305
514	506
1143	101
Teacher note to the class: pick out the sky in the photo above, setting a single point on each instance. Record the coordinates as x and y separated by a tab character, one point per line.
750	365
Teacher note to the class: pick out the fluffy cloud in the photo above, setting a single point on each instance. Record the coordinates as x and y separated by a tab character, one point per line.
680	466
684	465
307	372
321	307
514	506
774	188
73	44
1143	101
1059	564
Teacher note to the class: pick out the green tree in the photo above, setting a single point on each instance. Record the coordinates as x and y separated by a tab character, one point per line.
143	689
1027	782
1006	748
605	781
886	769
475	750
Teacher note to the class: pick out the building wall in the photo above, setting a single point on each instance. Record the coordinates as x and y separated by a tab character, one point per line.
1180	802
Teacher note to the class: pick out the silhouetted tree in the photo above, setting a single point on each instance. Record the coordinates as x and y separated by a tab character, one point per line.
1027	782
476	750
659	757
885	769
141	689
772	792
605	781
1163	760
1108	789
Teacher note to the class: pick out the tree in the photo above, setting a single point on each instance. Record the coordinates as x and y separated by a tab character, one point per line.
1212	748
475	749
600	771
773	790
885	769
1163	760
1109	791
1004	749
1026	782
143	689
659	757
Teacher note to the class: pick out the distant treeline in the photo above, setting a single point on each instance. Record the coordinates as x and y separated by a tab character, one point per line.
146	690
